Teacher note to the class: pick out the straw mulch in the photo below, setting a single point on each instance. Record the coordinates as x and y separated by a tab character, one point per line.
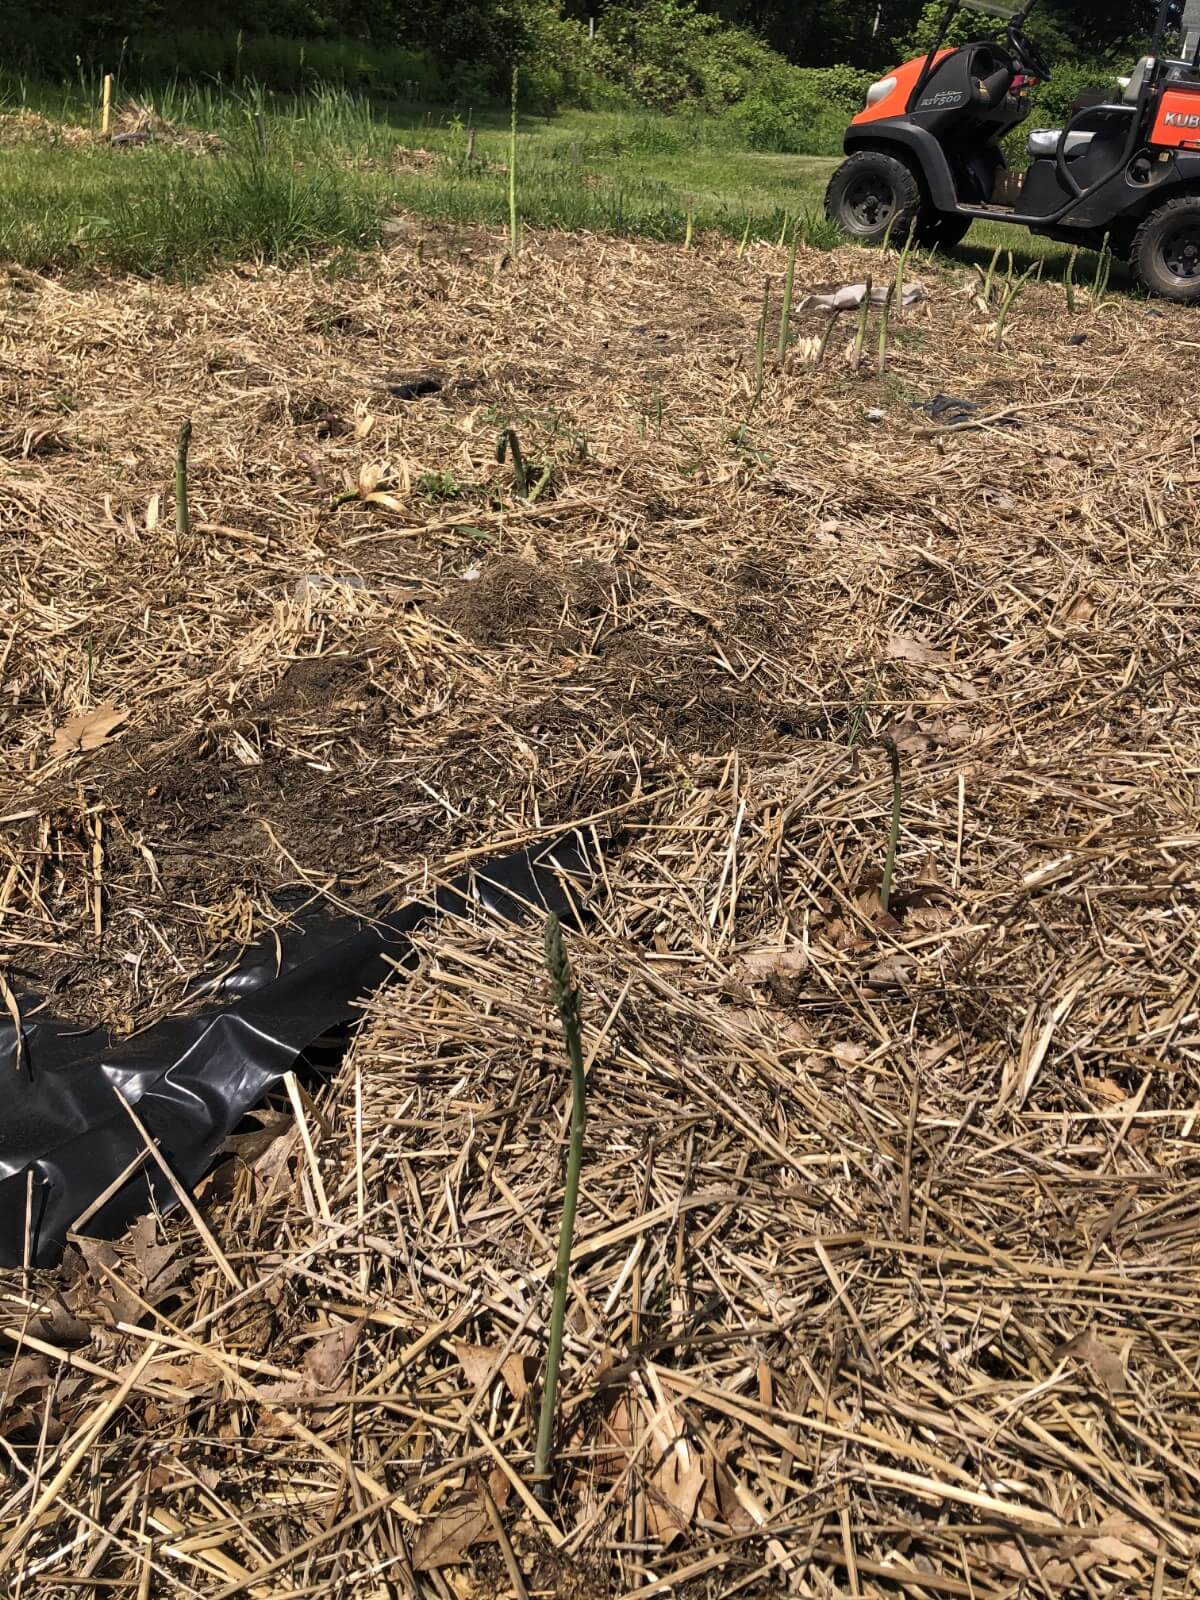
885	1273
134	124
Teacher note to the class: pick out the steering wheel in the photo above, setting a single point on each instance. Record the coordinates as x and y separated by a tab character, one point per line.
1027	57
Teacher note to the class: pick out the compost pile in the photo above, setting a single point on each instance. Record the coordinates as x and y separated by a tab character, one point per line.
885	1271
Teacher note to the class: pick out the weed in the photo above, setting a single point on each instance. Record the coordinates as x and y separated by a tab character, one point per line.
818	231
858	716
439	486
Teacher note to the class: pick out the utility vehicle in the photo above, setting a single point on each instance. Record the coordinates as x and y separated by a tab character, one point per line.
925	151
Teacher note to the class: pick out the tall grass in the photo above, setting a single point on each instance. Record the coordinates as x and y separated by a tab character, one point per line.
328	176
163	212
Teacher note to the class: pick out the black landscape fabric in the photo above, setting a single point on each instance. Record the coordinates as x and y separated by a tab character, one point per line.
66	1138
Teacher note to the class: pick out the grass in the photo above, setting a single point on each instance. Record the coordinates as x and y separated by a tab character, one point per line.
304	174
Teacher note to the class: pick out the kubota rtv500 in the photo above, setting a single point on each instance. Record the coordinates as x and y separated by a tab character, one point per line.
925	151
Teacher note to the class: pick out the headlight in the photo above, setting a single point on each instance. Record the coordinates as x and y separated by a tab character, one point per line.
880	91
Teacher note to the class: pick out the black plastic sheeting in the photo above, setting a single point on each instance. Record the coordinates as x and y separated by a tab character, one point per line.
65	1137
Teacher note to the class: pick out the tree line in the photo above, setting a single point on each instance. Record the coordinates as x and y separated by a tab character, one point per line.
812	33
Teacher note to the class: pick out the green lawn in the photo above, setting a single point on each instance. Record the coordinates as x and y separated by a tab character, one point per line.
297	176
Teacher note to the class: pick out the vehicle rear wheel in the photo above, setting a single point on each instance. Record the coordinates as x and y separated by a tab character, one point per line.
941	230
1166	250
871	193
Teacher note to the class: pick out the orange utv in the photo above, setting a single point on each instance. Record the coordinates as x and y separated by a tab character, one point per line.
925	152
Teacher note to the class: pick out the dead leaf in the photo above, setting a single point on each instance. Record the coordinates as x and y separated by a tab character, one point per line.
326	1356
1129	1533
737	1516
1117	1543
672	1493
615	1440
911	739
249	1146
849	1054
59	1326
445	1541
1080	611
918	651
929	918
88	730
1102	1358
1107	1088
516	1376
758	965
191	1372
789	1028
931	1055
892	971
479	1364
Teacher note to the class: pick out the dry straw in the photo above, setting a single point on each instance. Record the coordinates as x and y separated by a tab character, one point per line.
884	1271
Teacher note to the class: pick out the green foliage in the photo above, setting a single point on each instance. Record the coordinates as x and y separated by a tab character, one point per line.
965	27
284	64
463	50
667	54
1053	102
169	213
818	231
439	486
798	111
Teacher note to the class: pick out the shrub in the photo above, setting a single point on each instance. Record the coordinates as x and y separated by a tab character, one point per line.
667	54
799	111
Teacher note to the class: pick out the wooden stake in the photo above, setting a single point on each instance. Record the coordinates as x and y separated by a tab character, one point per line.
106	105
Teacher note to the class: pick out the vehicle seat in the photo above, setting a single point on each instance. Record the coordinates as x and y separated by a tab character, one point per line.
1044	142
1131	87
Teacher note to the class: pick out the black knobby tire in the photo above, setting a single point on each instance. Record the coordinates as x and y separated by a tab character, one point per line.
871	193
941	230
1166	250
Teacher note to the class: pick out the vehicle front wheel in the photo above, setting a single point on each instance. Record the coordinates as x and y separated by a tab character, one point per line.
1166	250
872	194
